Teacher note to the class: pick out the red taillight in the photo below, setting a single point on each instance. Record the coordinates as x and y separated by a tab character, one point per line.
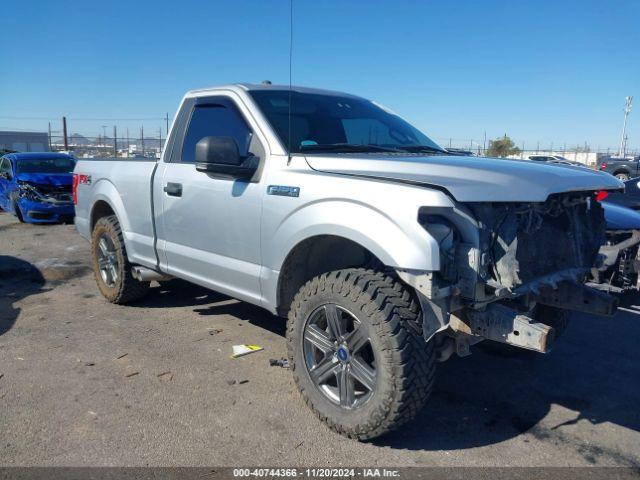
603	166
74	188
601	195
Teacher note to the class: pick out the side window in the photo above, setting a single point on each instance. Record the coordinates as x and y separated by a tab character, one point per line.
216	119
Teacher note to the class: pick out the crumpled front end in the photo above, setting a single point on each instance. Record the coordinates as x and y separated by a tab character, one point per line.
527	246
618	271
43	203
518	257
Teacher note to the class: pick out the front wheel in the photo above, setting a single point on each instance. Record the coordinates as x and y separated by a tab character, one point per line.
622	176
110	264
16	208
357	352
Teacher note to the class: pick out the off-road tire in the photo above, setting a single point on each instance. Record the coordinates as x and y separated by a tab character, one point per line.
622	176
126	288
405	364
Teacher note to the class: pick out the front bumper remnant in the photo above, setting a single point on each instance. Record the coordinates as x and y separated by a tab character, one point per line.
575	296
506	325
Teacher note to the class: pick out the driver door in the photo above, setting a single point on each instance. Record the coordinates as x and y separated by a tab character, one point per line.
210	226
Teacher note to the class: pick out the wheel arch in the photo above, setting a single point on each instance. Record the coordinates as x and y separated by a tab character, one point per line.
107	201
314	256
624	170
342	235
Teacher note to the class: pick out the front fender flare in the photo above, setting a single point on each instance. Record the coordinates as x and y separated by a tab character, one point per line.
397	242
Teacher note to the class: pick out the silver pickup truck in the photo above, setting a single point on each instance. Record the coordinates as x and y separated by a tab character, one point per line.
385	253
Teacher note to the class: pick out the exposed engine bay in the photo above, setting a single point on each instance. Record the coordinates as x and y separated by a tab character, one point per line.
531	245
618	271
525	255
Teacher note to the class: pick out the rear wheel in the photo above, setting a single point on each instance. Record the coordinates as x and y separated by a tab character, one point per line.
111	267
357	352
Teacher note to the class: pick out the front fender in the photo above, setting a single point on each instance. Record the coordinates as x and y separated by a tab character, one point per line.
397	241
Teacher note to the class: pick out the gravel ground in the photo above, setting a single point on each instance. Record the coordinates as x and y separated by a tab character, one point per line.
84	382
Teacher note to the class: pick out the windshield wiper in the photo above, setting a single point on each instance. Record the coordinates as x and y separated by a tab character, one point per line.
346	147
422	148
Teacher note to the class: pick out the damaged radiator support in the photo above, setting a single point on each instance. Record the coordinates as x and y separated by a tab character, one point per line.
506	325
575	296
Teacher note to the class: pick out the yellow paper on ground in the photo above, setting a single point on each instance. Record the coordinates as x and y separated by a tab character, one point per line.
240	350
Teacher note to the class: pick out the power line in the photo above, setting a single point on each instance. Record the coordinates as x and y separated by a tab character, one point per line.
141	119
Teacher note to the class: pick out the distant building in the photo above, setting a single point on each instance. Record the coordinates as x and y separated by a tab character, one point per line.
24	141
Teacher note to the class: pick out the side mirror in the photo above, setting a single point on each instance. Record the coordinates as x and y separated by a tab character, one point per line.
219	155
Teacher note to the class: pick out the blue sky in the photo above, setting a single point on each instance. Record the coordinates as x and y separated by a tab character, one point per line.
548	71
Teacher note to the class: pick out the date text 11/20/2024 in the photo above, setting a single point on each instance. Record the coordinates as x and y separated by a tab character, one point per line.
316	472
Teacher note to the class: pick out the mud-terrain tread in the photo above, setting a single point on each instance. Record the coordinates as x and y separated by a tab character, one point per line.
127	289
412	360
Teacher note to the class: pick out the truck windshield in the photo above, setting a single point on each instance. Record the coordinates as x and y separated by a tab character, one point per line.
321	122
46	165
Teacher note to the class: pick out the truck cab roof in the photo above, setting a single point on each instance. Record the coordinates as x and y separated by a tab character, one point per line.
247	87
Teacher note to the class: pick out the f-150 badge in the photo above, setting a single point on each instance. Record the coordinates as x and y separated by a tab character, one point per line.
283	191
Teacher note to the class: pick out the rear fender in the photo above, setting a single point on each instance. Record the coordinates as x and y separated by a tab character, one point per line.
104	190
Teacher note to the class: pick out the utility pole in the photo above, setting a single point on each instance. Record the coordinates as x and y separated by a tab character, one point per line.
64	133
484	143
49	136
142	138
115	142
160	140
623	139
167	123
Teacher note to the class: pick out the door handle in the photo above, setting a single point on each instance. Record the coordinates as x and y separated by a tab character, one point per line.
173	189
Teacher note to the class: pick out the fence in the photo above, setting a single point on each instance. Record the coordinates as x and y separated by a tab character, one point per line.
140	145
105	146
577	152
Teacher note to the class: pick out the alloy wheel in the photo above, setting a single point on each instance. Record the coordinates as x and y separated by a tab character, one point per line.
107	260
339	356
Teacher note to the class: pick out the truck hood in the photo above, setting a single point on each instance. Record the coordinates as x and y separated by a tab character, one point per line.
53	179
471	179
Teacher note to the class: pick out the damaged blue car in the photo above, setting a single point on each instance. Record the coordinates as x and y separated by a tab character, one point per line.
36	187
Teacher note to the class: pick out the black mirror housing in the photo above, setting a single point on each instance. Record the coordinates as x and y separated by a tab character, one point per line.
220	156
218	150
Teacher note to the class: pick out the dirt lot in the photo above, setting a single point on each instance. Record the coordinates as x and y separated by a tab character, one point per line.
84	382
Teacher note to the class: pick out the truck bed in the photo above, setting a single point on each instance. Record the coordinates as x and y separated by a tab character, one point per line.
128	182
